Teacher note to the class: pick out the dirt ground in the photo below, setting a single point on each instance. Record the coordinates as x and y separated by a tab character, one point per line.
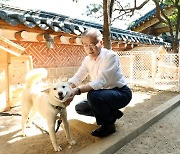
161	138
38	141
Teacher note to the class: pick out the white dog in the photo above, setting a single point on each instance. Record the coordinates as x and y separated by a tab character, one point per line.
48	103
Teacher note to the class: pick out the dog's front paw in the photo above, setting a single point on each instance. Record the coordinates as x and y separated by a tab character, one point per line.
58	148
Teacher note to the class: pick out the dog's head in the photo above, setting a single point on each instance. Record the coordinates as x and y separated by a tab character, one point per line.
59	93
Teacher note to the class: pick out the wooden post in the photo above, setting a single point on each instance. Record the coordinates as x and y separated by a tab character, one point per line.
8	83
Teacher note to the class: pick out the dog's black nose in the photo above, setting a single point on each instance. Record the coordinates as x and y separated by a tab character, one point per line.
60	94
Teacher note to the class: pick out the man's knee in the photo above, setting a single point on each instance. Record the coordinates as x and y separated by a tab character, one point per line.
82	107
78	108
92	96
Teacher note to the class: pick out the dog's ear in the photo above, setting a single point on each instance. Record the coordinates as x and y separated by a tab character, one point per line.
69	84
46	90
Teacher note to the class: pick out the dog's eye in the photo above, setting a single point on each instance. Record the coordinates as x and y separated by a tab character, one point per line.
63	86
54	88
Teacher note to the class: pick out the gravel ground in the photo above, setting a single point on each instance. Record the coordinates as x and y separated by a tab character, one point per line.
161	138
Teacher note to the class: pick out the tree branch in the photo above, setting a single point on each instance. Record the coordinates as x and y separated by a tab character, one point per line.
129	11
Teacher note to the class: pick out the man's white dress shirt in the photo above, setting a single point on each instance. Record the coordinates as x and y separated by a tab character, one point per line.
105	71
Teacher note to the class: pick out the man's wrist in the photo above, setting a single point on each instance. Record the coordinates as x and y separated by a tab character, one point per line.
78	91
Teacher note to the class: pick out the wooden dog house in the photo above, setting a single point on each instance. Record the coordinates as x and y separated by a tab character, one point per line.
9	52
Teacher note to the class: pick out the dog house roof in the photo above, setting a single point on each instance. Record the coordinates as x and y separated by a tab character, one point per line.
61	23
10	47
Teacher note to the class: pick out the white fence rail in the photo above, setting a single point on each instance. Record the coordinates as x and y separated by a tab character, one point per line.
158	71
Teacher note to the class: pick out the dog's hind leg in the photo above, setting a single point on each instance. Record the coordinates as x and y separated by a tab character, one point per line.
25	109
30	117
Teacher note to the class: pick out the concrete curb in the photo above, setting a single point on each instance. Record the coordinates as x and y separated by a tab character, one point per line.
113	143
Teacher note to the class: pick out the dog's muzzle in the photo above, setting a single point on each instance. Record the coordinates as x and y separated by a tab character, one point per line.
60	94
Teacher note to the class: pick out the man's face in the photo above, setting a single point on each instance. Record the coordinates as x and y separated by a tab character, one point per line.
92	46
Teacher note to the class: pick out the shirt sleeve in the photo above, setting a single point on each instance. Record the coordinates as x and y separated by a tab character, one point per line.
80	75
108	71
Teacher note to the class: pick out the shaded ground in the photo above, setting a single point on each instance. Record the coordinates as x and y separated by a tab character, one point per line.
37	140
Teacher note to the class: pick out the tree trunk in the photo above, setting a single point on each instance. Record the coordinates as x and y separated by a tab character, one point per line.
107	23
177	25
175	46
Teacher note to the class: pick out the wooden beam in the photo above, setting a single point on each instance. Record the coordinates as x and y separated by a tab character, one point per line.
65	39
43	37
129	46
122	45
152	21
158	31
21	35
34	37
115	44
11	47
78	41
147	24
2	48
61	39
72	40
57	39
40	37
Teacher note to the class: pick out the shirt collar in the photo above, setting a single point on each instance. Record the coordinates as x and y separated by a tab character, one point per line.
100	56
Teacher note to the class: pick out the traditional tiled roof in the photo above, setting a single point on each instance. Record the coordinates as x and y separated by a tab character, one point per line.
60	23
144	18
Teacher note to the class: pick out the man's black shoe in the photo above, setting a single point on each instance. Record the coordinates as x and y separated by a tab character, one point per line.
104	130
118	114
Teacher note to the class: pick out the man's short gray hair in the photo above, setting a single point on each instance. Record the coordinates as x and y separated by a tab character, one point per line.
92	32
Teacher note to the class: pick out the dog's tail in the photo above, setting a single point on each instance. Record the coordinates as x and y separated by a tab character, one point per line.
35	75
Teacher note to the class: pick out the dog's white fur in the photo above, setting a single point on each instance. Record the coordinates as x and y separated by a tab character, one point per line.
48	103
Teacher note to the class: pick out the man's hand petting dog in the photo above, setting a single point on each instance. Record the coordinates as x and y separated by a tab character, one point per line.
69	100
71	97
